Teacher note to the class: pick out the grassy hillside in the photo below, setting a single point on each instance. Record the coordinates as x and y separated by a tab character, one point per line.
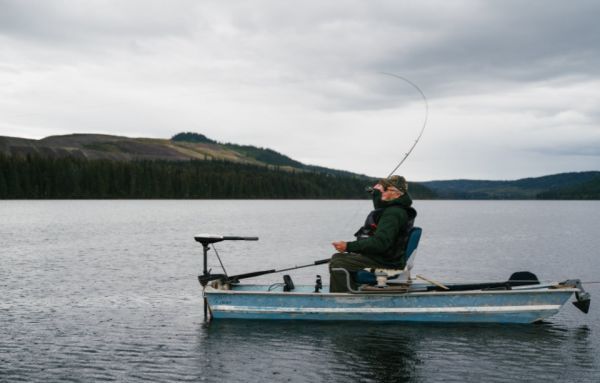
181	147
106	147
260	155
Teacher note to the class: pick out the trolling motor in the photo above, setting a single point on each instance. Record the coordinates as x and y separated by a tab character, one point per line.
206	240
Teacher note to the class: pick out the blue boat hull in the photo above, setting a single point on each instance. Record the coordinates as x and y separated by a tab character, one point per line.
506	306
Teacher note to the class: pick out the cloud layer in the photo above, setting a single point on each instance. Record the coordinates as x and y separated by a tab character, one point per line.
513	87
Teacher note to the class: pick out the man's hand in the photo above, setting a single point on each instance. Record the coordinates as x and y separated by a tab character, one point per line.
340	246
379	187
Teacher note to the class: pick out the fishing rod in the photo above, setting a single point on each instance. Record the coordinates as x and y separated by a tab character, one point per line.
412	147
204	279
424	121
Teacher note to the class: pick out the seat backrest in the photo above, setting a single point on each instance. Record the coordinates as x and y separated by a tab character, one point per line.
367	277
413	242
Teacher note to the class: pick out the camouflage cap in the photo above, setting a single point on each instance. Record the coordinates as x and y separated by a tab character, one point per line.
398	182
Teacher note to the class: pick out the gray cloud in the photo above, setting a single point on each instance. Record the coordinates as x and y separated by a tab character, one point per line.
303	78
74	21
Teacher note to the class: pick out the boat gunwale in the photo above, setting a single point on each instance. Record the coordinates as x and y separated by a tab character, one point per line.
543	289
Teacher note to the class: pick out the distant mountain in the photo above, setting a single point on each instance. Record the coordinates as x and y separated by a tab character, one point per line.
579	185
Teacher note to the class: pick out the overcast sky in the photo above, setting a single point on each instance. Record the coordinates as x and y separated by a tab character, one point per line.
513	86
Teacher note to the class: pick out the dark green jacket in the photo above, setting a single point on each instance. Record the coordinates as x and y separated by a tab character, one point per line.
381	247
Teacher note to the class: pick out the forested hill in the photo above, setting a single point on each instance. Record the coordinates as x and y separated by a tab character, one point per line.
576	185
189	165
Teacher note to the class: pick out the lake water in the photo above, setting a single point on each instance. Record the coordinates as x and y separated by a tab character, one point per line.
107	291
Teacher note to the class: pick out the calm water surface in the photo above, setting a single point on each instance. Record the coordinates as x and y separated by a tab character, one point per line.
107	290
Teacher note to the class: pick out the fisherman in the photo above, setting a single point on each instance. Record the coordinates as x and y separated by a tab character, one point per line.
381	242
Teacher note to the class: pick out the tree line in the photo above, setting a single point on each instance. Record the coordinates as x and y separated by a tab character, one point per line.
589	190
39	177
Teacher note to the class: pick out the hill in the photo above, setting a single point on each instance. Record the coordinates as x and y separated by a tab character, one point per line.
179	161
189	165
576	185
118	148
181	147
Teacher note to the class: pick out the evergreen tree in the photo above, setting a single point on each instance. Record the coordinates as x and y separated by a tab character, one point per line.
68	177
3	186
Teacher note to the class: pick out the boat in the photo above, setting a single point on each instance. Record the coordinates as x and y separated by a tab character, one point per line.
385	295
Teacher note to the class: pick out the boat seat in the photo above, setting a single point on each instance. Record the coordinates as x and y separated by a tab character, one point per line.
394	276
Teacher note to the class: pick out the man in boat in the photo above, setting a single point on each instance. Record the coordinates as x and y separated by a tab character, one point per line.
381	242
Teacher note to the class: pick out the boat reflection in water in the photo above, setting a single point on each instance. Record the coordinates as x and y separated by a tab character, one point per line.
233	350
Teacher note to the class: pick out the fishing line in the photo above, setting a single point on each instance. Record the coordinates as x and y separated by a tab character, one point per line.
219	258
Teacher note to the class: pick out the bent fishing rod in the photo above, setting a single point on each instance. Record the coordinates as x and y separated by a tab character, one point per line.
424	121
416	141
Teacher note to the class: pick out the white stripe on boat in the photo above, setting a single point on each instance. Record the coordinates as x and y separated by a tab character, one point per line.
385	310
